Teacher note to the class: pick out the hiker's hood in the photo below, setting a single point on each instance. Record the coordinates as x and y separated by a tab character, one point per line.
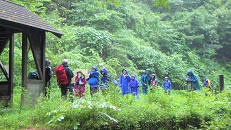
125	70
148	71
47	62
94	67
190	71
133	76
103	70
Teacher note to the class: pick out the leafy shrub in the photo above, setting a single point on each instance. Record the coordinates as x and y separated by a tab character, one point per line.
111	110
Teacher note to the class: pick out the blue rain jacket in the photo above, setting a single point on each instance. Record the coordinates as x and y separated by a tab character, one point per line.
167	85
193	79
104	78
124	83
146	79
134	84
93	78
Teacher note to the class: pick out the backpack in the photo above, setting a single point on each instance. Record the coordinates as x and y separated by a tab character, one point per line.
93	78
61	75
93	81
154	82
33	75
48	74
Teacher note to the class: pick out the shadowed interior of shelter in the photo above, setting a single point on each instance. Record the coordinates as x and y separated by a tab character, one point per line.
15	18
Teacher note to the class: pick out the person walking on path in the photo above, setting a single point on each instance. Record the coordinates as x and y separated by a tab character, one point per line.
124	82
146	81
192	80
104	79
93	80
207	83
80	84
134	85
64	75
153	82
48	75
167	85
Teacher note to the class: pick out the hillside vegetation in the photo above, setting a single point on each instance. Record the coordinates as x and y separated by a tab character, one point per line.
136	35
133	34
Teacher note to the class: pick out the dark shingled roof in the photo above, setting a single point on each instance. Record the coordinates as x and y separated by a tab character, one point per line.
19	14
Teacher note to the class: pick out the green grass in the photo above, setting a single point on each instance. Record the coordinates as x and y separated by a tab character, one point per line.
111	110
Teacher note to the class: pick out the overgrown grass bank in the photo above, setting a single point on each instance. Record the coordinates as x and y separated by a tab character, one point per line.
111	110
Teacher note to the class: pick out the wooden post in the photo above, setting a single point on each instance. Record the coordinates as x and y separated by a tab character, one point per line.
24	59
11	67
43	43
34	87
38	51
221	82
3	44
36	44
24	68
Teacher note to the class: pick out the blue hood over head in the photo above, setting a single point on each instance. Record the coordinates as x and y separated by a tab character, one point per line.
193	79
190	71
148	71
103	70
125	70
133	76
94	67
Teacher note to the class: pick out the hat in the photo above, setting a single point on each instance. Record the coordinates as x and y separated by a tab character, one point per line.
147	70
47	62
80	73
153	74
65	61
166	77
94	67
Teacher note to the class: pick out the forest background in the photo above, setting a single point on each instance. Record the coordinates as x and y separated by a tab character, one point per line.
170	38
133	34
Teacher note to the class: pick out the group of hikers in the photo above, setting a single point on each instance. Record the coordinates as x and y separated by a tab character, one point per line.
128	84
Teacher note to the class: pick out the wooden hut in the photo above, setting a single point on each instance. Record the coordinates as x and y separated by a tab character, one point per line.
15	18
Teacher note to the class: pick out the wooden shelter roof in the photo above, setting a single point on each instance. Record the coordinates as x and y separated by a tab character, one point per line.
17	14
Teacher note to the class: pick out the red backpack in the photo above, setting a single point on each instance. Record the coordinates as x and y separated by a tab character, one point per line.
61	75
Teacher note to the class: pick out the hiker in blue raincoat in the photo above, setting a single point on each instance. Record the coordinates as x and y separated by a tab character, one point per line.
146	81
134	84
104	79
124	82
192	80
93	80
167	85
207	83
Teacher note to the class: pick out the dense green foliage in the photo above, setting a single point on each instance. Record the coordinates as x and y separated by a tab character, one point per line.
180	110
132	34
137	35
